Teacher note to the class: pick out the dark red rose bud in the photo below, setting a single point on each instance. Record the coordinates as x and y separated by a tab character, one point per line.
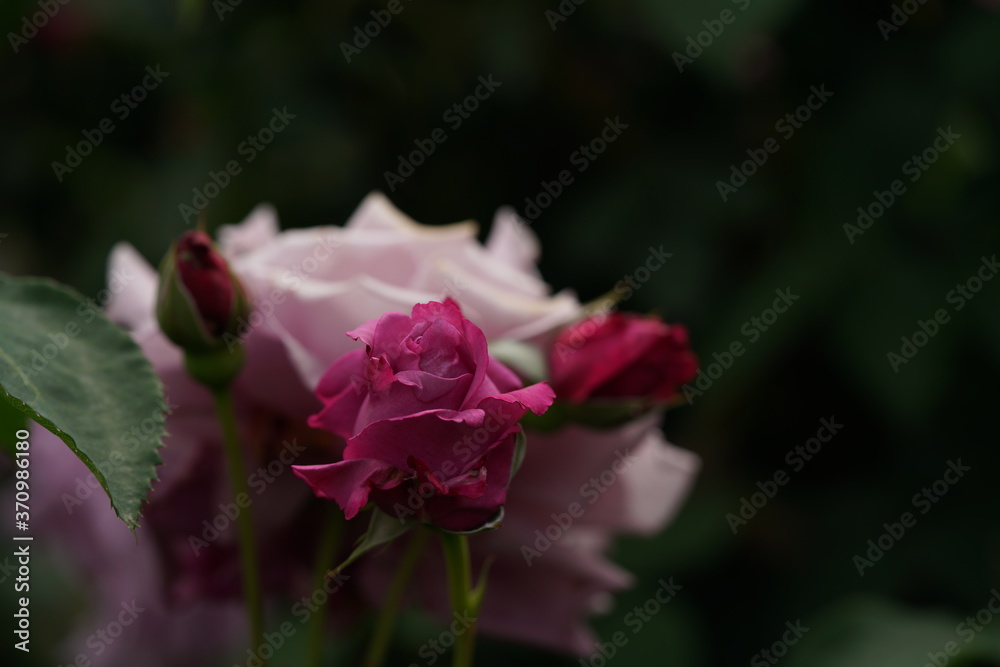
205	275
199	306
621	356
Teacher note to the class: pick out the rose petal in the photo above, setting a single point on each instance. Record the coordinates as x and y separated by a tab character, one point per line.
258	229
645	479
467	511
583	359
656	484
536	397
346	482
313	340
376	212
445	439
444	350
502	377
132	283
388	331
342	389
413	392
512	242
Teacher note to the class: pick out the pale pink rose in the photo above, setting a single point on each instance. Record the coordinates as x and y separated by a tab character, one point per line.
324	280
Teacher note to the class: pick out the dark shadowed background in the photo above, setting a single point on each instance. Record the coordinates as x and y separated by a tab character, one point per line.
690	114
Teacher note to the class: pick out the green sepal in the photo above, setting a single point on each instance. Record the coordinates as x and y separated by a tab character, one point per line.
382	530
216	369
177	313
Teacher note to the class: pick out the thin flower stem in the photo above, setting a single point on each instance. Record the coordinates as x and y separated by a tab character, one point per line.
456	555
375	655
244	523
324	555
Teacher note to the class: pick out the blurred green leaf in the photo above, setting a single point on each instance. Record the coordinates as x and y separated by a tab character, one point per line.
869	632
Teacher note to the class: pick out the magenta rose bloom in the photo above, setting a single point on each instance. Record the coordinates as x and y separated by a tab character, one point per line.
430	420
622	355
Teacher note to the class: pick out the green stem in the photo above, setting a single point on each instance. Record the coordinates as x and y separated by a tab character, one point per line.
244	524
375	655
324	555
463	604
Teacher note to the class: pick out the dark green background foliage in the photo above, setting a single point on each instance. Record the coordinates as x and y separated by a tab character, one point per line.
655	185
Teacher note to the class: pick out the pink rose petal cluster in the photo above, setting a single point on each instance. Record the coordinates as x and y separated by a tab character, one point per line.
426	413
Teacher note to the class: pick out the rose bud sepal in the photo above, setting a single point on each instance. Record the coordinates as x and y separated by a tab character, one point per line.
200	303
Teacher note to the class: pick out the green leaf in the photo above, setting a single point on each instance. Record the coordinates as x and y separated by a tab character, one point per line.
74	372
383	529
872	632
12	420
